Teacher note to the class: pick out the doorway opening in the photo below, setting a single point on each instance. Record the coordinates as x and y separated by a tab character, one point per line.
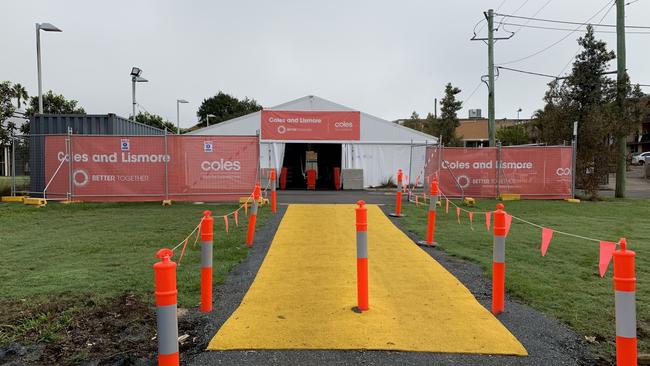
301	157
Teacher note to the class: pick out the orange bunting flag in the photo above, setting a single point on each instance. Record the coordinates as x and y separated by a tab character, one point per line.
508	222
607	249
447	206
417	202
458	214
488	217
471	214
182	252
237	218
225	221
547	235
198	232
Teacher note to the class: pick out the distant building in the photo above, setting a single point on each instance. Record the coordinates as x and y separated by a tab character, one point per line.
639	141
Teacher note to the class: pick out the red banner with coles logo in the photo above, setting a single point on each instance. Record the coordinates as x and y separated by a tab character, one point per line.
310	125
146	168
533	172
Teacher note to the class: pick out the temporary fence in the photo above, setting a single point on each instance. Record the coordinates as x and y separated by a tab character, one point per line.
500	221
138	168
544	172
165	272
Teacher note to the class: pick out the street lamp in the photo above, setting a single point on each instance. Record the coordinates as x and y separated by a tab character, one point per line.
135	78
178	114
518	111
207	119
47	27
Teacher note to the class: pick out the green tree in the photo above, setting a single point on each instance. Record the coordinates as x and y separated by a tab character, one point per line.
587	96
20	93
155	120
224	107
512	135
52	103
448	121
7	109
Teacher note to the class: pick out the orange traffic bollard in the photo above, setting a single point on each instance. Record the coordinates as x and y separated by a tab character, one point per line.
166	318
274	207
250	234
498	260
398	197
625	292
431	221
207	242
362	256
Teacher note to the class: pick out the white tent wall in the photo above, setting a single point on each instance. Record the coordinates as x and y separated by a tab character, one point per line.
272	155
381	162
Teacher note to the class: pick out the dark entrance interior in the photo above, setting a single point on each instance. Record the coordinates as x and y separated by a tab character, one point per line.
328	158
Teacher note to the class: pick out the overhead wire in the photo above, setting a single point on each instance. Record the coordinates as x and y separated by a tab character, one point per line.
558	41
567	22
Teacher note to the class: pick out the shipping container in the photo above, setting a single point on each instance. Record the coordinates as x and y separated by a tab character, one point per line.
80	124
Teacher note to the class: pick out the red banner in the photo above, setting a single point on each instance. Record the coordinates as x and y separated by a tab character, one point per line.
143	168
533	172
310	125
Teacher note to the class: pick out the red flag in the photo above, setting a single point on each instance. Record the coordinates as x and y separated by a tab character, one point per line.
236	217
547	235
447	206
607	249
508	222
458	214
225	220
182	252
488	216
471	214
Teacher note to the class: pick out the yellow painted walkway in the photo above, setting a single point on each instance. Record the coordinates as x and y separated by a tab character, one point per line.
306	287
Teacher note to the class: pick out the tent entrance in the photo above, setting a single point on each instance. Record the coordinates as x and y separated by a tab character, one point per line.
299	158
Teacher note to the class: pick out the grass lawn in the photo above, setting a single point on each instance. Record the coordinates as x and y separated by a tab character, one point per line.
100	251
566	283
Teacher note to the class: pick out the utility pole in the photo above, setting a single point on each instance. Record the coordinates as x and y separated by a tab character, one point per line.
620	98
491	123
435	108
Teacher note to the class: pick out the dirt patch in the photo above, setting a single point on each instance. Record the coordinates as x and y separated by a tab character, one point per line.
74	330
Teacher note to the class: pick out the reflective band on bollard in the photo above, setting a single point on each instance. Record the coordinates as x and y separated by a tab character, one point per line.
625	297
498	260
431	220
166	318
398	196
274	207
250	234
207	244
362	256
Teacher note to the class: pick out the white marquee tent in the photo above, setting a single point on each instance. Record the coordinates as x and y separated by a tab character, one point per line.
383	146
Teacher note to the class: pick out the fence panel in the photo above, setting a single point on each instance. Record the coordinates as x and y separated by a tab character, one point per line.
532	171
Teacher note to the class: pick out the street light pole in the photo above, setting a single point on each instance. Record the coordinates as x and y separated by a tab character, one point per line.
135	78
48	28
178	115
133	97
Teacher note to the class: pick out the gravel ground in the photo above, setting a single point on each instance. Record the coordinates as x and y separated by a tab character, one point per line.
547	341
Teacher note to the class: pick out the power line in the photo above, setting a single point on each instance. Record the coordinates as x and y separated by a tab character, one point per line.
484	24
514	12
545	75
558	41
568	29
567	22
473	92
535	14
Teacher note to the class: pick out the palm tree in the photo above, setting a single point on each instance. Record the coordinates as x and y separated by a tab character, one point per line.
20	92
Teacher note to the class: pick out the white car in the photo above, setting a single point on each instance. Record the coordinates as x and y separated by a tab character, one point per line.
639	159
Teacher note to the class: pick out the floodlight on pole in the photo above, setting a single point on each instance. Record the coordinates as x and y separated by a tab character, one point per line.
135	78
47	27
178	115
207	119
518	111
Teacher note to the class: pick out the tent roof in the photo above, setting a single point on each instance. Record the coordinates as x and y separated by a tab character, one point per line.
250	123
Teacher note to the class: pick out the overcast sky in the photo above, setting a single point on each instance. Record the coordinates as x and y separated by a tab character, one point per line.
386	58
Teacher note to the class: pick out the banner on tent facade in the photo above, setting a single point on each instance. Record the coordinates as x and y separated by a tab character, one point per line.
533	172
310	125
140	168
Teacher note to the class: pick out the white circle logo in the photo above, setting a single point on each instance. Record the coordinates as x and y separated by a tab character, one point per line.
563	171
282	129
463	181
84	178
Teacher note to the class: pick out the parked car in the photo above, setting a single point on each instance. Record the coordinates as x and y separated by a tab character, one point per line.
639	159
